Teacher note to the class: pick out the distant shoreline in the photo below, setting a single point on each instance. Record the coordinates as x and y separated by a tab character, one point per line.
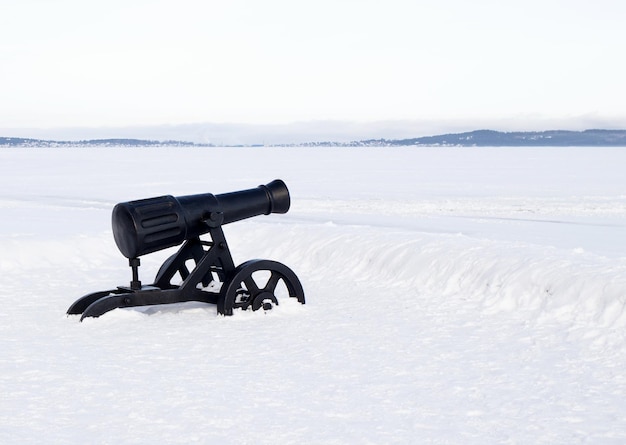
477	138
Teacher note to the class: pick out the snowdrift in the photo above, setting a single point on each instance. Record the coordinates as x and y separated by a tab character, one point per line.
546	282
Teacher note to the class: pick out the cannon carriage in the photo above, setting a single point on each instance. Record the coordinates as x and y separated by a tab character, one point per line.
149	225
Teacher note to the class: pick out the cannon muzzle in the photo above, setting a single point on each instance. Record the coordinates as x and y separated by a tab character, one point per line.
148	225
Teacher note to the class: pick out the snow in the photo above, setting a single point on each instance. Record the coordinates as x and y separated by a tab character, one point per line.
454	295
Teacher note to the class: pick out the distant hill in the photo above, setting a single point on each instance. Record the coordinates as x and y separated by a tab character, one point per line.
553	138
478	138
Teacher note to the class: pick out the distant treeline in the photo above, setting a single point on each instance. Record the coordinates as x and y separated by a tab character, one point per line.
25	142
478	138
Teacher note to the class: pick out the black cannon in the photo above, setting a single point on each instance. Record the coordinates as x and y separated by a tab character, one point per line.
148	225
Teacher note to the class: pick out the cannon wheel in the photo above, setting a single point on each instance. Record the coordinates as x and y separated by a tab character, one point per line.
247	289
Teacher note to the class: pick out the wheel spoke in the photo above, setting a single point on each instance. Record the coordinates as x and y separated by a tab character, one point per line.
183	271
272	282
251	285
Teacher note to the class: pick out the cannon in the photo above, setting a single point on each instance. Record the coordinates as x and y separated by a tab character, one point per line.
204	268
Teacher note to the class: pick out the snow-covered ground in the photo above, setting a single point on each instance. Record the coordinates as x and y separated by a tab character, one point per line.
454	296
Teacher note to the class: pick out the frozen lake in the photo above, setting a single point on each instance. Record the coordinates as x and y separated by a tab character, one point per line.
454	295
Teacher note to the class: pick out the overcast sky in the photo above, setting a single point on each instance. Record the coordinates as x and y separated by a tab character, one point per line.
73	63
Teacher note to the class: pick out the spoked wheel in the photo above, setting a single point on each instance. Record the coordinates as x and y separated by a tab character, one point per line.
257	284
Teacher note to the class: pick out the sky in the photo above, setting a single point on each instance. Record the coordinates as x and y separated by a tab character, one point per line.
495	63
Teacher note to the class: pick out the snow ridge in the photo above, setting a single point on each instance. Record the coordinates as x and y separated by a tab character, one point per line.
546	283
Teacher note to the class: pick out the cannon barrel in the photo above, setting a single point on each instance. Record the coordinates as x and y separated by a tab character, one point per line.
148	225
